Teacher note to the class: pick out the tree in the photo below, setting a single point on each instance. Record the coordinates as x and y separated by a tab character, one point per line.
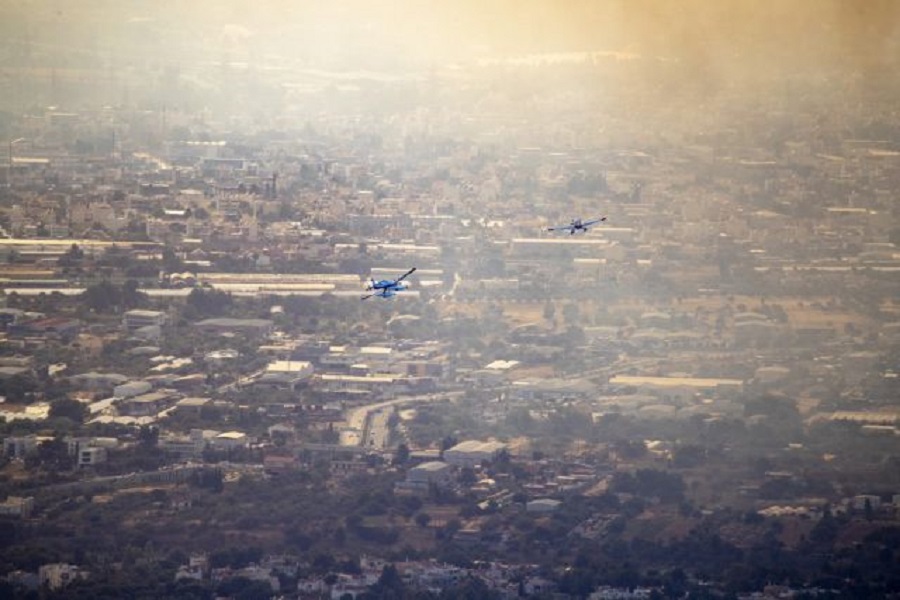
549	311
471	587
467	476
171	262
402	455
72	256
208	303
423	519
211	479
18	388
242	588
689	456
148	435
70	409
571	314
132	297
102	297
448	442
52	454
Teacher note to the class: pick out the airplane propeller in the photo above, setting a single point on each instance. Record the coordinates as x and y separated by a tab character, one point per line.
405	275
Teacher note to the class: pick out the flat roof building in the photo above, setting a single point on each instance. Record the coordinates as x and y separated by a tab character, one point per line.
472	453
135	319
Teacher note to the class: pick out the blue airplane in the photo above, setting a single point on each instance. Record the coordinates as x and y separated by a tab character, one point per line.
387	288
576	225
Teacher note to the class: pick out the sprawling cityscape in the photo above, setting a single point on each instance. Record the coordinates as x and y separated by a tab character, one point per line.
698	397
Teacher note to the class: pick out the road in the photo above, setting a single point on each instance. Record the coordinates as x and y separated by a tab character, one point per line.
364	423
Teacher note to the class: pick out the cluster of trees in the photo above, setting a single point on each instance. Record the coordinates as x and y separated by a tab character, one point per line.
19	389
649	483
204	303
106	297
390	585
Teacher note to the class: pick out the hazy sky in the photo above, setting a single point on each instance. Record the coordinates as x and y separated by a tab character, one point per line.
856	31
48	48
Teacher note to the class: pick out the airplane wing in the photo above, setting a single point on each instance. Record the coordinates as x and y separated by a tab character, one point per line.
560	228
600	220
405	275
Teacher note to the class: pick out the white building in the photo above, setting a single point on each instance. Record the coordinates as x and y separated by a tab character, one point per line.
285	374
17	506
90	451
132	389
186	447
859	502
542	505
58	575
230	440
434	472
19	446
91	456
472	453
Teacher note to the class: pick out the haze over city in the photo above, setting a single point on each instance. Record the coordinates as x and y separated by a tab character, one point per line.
497	299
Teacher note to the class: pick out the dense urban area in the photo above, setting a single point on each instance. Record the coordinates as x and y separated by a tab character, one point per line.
697	398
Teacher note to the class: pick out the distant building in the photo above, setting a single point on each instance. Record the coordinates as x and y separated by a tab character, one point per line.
606	592
58	329
59	575
90	451
859	502
136	319
218	358
145	405
98	381
255	327
17	506
285	374
12	371
230	440
184	447
542	505
276	465
132	389
19	446
335	382
756	333
771	374
9	316
192	405
197	568
91	456
677	388
419	478
472	453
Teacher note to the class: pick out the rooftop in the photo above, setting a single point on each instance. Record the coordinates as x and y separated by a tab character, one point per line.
699	382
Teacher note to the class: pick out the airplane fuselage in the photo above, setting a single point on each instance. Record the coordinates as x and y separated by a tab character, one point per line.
576	225
387	285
